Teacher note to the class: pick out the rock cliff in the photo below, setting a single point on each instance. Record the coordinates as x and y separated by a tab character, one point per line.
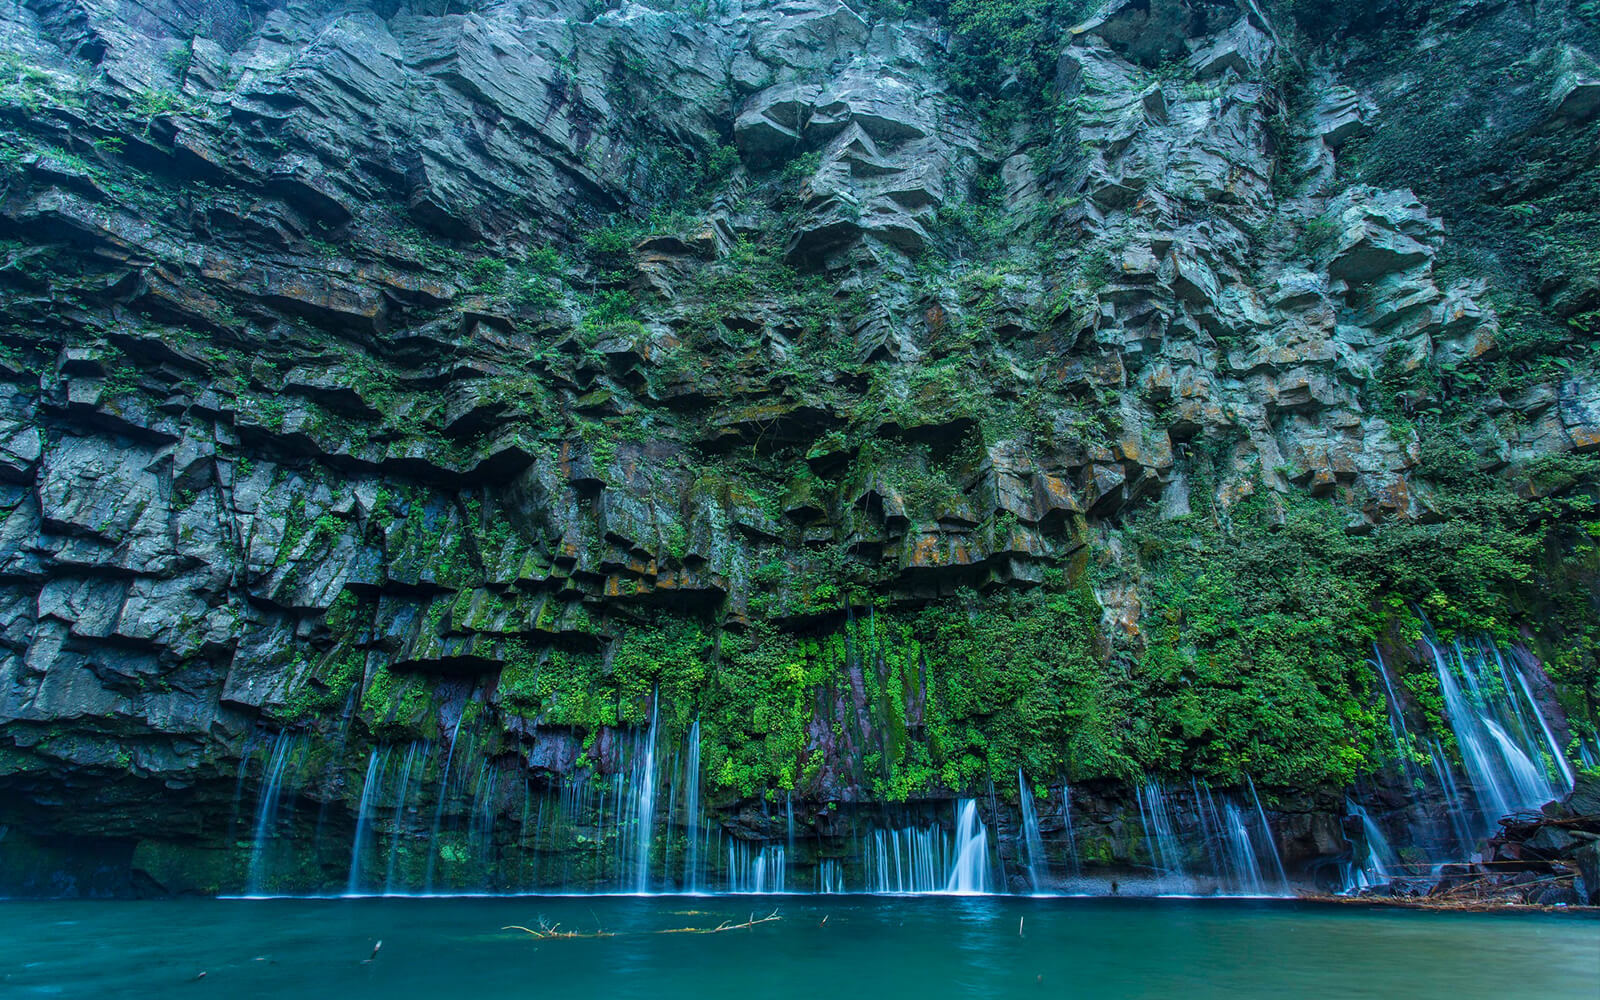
889	398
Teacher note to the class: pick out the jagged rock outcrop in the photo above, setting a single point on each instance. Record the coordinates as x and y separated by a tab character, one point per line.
361	363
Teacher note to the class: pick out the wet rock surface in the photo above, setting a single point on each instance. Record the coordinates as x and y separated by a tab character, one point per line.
350	354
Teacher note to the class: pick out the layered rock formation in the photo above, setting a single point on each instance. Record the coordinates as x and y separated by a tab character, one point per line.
372	368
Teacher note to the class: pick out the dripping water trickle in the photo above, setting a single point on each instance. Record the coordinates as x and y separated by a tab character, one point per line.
1037	867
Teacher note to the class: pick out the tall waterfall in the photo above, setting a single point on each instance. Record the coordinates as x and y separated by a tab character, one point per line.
1380	857
267	810
369	791
756	869
1066	822
691	812
1267	839
444	792
1166	852
907	860
971	871
1037	866
1510	759
1502	753
416	761
1243	869
642	803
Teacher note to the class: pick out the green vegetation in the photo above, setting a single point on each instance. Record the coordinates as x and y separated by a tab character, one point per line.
1258	628
398	705
1260	620
998	40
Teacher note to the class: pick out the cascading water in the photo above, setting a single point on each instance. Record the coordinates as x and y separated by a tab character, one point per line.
480	826
756	869
1380	857
907	860
369	790
1510	760
830	876
1567	779
1501	752
1270	842
1038	868
245	752
1242	870
416	759
1066	822
691	812
642	799
1455	805
970	873
788	815
444	792
1162	842
267	810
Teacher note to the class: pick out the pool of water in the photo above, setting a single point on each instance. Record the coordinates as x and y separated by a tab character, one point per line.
820	947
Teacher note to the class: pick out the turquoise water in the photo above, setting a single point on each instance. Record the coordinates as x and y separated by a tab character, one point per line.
828	947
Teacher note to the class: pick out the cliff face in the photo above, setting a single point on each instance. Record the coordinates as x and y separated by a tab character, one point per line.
892	400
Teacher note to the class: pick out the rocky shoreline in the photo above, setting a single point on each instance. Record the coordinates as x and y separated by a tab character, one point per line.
1546	860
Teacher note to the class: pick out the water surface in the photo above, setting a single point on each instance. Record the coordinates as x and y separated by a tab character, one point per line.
822	947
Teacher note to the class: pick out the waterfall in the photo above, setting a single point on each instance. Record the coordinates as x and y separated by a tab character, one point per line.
1166	854
1498	747
1397	719
756	870
480	822
369	789
830	876
267	810
1066	820
1380	857
691	811
245	751
411	764
1268	839
444	791
1237	839
1506	673
1244	872
642	801
1454	804
1037	866
970	873
907	860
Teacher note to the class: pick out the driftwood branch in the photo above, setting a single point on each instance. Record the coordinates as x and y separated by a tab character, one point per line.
545	932
548	932
747	924
724	926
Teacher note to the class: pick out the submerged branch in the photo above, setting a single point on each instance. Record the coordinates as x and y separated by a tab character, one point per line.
724	926
547	931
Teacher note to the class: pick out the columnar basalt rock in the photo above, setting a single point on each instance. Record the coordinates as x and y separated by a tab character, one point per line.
362	363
